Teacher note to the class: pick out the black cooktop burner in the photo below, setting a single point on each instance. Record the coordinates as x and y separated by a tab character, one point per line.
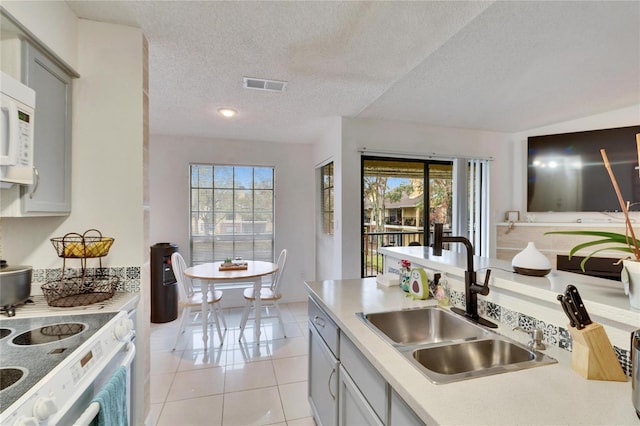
4	332
9	377
41	344
48	334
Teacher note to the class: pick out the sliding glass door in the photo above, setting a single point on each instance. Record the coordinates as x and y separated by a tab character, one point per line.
398	209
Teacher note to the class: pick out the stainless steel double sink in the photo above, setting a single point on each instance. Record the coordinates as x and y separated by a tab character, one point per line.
448	348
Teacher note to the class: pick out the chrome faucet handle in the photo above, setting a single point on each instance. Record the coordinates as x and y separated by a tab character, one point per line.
536	338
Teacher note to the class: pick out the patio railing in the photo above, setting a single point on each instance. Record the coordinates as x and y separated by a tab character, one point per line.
372	261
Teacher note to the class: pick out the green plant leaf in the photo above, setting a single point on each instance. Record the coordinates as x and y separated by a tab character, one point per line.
588	244
608	238
584	261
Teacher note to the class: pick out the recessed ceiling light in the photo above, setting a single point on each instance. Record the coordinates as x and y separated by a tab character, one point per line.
227	112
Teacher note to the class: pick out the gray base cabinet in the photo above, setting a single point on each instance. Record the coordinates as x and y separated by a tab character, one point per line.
345	389
401	413
323	380
368	381
323	367
354	409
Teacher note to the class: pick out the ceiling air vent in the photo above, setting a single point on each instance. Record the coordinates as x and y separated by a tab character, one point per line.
263	84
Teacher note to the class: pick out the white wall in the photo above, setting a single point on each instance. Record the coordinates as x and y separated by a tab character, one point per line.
52	22
169	159
414	138
629	116
107	167
108	135
508	168
329	247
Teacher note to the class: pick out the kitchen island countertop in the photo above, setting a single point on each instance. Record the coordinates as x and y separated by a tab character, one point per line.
552	394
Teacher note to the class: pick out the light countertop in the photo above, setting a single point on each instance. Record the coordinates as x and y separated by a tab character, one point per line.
552	394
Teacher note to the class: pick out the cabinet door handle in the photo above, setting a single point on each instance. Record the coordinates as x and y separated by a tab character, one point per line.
35	185
319	321
333	371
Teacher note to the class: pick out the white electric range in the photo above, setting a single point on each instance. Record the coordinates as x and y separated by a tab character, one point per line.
53	361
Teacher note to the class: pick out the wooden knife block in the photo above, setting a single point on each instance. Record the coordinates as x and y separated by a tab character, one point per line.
593	356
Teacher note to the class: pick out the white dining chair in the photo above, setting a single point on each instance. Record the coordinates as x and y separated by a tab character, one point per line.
191	301
269	297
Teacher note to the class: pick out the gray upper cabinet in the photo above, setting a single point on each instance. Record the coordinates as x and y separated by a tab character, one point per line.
50	195
52	144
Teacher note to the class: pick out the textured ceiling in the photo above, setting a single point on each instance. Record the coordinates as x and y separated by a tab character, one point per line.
503	66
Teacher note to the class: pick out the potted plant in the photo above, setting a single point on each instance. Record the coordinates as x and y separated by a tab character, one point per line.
613	241
626	243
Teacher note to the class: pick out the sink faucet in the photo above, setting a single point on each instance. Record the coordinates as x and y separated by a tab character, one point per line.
471	289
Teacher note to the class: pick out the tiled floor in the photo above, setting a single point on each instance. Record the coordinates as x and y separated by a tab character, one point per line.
236	383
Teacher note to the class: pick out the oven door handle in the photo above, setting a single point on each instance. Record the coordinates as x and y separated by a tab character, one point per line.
94	408
131	349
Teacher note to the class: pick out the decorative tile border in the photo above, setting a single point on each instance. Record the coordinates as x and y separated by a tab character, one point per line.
128	276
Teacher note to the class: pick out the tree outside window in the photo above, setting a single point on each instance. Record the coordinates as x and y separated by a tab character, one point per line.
327	198
232	212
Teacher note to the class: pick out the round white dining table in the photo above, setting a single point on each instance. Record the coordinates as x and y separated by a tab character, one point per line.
209	274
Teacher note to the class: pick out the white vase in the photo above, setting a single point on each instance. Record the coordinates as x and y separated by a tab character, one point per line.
531	262
631	280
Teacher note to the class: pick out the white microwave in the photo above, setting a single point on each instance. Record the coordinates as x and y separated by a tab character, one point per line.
16	131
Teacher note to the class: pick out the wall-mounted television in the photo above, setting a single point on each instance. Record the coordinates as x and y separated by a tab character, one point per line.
566	173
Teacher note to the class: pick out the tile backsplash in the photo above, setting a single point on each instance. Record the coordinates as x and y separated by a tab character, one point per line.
128	276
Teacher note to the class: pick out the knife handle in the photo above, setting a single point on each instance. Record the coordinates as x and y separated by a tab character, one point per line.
566	310
578	306
573	310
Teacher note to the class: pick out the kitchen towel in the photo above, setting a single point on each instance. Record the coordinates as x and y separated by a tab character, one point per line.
113	401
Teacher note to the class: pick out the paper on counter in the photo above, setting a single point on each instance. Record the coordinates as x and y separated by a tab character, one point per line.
388	280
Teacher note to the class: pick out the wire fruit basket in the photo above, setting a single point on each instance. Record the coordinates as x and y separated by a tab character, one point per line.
89	245
85	287
79	291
